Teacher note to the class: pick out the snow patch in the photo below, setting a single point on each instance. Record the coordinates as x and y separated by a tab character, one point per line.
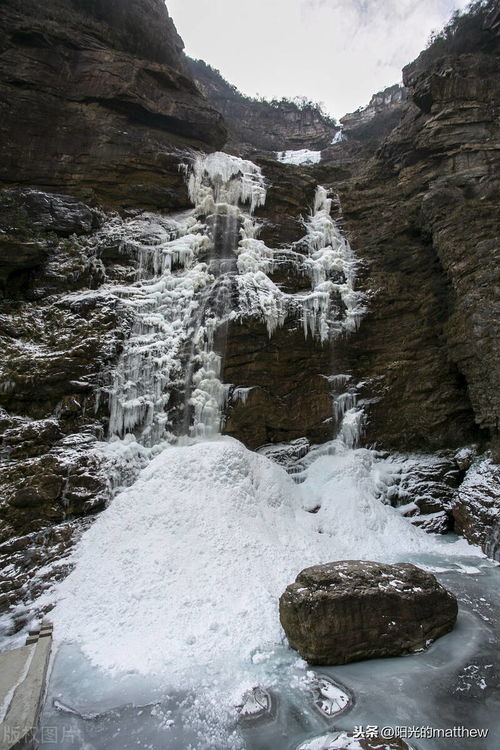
301	157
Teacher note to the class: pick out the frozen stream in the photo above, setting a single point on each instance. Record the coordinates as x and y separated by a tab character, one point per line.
162	636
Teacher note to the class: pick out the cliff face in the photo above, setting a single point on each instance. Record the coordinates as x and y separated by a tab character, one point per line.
378	118
422	215
95	100
97	111
255	125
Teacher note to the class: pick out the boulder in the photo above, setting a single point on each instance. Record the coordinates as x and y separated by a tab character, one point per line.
353	610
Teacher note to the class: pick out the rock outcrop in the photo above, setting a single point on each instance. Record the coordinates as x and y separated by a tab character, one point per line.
476	506
261	125
422	216
95	101
378	118
352	610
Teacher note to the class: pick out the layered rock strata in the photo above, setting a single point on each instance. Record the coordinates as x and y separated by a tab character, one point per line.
262	125
96	101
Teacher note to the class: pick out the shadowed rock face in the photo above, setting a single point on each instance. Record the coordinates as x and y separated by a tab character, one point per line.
422	215
289	394
95	101
255	125
352	610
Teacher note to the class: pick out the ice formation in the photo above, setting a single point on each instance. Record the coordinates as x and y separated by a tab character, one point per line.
198	271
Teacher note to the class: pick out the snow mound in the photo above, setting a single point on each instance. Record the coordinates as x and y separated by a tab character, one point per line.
185	568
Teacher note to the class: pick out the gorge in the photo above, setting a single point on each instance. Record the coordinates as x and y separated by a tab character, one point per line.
240	339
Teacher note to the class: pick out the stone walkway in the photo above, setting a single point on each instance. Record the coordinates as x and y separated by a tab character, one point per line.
22	682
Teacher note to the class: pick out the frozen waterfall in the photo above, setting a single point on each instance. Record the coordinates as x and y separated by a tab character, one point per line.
197	272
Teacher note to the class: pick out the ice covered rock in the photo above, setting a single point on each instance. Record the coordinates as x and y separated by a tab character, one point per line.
476	510
350	741
352	610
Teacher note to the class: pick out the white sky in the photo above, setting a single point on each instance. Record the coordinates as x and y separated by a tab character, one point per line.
338	52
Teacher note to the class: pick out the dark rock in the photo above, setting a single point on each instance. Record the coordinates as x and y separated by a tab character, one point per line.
378	118
252	124
421	213
353	610
95	101
424	488
64	482
289	396
476	509
58	213
290	197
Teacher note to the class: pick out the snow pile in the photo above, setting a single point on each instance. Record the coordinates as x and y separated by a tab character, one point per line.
203	545
301	157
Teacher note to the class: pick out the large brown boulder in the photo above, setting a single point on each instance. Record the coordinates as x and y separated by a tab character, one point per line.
353	610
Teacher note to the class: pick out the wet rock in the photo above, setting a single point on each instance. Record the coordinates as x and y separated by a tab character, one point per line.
353	610
476	509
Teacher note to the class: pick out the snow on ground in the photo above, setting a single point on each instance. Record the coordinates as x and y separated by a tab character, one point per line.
184	570
301	158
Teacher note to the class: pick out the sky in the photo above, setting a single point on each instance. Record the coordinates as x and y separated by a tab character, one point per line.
338	52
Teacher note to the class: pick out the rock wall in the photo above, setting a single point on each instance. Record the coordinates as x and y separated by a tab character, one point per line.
422	215
95	101
97	112
253	124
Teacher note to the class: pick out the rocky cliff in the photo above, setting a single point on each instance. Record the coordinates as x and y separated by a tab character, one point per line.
419	205
261	125
97	112
96	101
422	215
